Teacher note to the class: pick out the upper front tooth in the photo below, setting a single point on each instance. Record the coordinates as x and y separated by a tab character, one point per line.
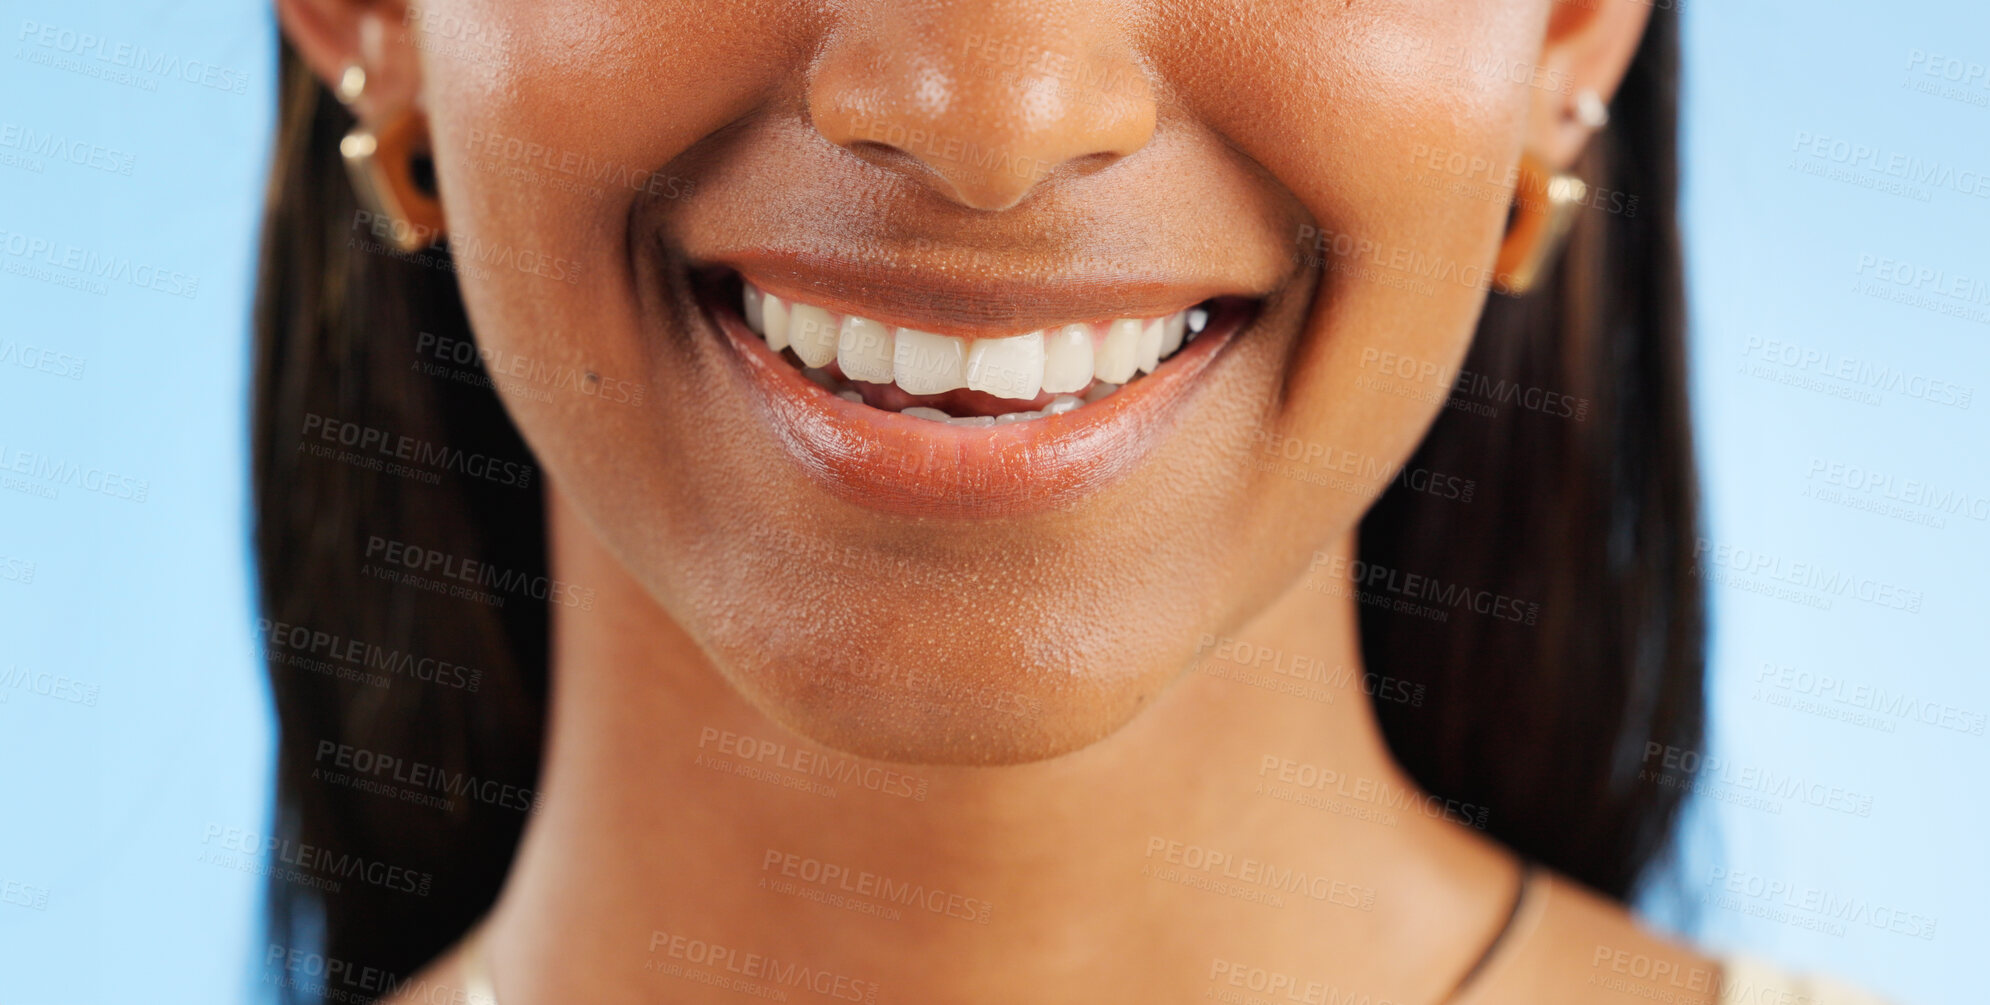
863	350
1007	367
1067	358
1061	360
812	333
925	363
1172	331
1119	357
1148	349
774	312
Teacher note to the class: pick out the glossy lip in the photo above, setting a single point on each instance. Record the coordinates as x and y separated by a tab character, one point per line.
916	467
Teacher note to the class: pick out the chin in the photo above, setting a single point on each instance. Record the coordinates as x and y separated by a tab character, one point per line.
973	677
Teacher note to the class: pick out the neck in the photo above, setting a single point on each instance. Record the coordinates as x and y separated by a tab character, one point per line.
1251	817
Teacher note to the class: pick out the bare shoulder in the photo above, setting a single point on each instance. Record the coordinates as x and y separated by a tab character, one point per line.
1577	946
1573	945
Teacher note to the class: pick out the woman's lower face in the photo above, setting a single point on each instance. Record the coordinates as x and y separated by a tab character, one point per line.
940	352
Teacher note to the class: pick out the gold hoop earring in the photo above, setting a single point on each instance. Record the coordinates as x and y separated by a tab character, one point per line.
1544	208
392	172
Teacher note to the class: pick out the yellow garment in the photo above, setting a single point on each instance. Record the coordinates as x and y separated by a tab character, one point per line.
1748	981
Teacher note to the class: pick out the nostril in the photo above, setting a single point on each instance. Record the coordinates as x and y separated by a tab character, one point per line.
877	153
909	163
1089	163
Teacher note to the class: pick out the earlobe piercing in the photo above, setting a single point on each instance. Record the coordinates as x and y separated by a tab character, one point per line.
391	170
352	82
1590	110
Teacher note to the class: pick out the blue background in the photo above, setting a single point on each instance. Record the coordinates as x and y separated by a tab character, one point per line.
1811	820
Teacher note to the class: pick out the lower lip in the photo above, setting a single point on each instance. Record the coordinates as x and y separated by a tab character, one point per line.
917	467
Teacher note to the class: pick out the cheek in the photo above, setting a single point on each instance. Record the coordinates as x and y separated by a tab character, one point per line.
1400	136
554	132
551	128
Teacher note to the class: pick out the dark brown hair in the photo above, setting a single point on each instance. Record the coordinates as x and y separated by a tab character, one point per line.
1589	517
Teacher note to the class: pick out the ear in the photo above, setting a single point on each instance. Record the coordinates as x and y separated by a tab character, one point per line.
332	35
1588	47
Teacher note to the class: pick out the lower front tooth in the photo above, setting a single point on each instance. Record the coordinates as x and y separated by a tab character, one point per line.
1062	404
812	333
922	412
863	350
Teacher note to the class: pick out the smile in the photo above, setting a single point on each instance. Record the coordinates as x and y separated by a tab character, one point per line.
973	382
943	417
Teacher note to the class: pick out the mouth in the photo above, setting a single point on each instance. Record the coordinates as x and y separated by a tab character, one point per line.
944	415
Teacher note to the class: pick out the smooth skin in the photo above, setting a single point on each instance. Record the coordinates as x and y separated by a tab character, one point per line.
1030	674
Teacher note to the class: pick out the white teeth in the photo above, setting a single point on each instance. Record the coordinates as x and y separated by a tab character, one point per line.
1062	404
1172	331
1149	346
1007	367
863	350
925	363
1119	356
1067	358
774	313
812	334
1067	361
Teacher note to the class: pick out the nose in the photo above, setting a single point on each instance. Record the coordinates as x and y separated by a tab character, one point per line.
983	100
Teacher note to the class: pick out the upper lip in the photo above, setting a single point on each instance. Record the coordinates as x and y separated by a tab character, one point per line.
982	297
